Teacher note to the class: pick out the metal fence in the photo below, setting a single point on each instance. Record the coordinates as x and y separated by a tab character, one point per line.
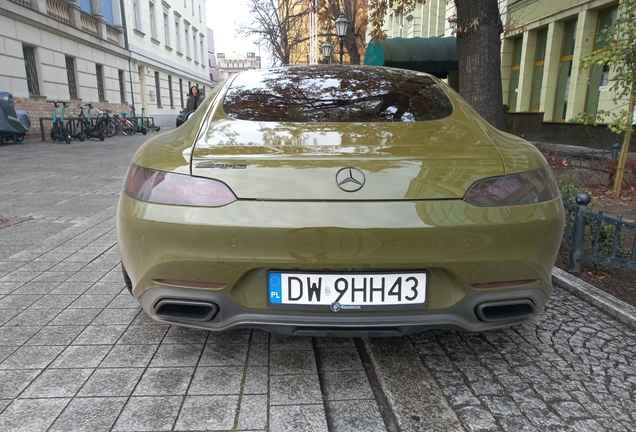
587	158
594	237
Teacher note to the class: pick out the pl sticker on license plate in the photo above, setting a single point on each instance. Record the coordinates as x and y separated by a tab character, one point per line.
347	291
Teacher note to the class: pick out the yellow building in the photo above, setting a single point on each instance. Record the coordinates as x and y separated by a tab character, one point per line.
540	65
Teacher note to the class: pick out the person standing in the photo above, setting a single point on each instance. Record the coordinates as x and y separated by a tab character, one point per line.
194	99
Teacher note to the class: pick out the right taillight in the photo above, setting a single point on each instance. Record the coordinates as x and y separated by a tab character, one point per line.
530	187
162	187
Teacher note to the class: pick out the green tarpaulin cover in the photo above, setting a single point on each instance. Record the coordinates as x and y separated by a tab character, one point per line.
434	55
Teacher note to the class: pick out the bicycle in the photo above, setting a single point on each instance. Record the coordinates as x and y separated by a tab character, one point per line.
86	125
58	131
125	125
106	124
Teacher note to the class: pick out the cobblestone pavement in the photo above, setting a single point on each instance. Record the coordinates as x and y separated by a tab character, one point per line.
77	353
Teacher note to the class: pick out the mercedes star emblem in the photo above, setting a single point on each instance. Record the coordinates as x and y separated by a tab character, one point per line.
350	179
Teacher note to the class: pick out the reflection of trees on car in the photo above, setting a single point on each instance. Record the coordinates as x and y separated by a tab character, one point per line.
336	95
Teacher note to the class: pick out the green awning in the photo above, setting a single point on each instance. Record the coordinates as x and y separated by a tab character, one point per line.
434	55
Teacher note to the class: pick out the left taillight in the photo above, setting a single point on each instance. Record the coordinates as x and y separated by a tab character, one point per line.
162	187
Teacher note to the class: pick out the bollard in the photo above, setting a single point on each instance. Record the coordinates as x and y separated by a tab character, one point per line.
615	148
578	236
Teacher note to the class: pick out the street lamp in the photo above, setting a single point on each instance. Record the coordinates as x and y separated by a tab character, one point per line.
327	49
341	30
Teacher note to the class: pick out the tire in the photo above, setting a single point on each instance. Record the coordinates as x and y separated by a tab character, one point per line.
53	134
107	127
127	127
81	137
144	131
127	280
101	136
158	128
68	139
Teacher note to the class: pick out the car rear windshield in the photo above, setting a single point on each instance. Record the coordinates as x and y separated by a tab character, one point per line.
336	94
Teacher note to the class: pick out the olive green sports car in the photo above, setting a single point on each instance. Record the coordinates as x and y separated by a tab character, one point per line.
338	200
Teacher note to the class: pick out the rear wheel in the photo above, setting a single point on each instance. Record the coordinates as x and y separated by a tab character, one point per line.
81	137
107	127
127	127
68	139
101	136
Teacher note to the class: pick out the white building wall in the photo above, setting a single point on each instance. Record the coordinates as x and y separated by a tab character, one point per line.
52	41
166	54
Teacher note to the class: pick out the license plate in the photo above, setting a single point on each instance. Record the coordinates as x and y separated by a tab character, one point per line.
347	290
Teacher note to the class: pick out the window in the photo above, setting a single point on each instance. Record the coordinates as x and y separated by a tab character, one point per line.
136	15
565	72
181	92
31	70
158	89
99	72
192	4
177	30
122	92
200	13
599	75
194	45
170	91
187	41
517	45
289	95
202	51
151	17
166	30
70	77
537	70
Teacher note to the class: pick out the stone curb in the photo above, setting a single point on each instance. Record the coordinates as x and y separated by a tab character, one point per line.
615	308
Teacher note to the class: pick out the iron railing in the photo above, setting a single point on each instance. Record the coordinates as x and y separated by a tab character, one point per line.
595	237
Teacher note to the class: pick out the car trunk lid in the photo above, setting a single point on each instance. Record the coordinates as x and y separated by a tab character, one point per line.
346	161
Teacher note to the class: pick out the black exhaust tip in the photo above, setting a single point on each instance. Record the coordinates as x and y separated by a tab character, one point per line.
506	310
191	310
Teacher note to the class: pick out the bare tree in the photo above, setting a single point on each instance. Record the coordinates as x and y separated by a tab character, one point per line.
281	25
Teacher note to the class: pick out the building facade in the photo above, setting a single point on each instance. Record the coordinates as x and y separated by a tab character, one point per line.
169	54
72	51
540	66
147	54
432	19
213	69
228	66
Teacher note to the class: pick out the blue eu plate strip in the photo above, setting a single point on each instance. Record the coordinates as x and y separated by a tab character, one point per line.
275	288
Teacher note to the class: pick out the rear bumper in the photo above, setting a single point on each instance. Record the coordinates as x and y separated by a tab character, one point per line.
228	315
234	246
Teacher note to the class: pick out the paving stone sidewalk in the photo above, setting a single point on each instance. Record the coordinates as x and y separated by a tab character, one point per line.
78	354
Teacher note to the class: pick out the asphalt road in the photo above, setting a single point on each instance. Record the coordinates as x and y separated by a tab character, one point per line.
76	352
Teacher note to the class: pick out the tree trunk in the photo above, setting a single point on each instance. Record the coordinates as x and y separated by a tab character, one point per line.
479	53
350	41
622	159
